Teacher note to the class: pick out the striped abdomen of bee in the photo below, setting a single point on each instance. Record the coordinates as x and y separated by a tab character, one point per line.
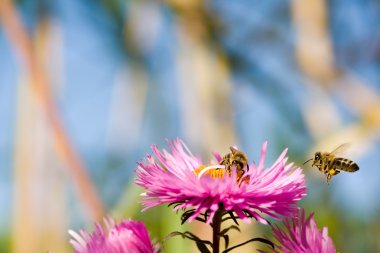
345	165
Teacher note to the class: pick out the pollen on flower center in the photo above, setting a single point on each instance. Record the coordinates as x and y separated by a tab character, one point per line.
218	171
215	171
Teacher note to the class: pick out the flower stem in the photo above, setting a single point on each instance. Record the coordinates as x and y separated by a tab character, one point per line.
216	225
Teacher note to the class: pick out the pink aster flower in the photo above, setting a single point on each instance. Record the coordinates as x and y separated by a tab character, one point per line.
301	235
128	236
171	178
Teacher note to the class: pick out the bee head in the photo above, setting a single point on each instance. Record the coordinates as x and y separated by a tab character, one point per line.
239	158
317	158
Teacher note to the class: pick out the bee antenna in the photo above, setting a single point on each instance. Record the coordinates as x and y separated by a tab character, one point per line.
307	161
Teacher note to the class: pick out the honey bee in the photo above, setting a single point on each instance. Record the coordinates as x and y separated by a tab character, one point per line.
331	165
235	158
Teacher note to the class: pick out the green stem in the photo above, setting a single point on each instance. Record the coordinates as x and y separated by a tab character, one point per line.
216	225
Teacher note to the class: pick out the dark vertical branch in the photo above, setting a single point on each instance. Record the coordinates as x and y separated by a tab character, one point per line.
216	226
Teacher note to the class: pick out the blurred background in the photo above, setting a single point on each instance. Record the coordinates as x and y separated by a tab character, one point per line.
86	87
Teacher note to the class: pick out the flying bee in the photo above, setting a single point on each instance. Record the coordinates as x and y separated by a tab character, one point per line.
331	165
235	158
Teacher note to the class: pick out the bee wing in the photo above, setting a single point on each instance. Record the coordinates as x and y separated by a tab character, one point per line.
234	149
341	149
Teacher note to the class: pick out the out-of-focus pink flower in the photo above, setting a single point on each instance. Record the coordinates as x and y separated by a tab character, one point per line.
301	235
170	179
127	237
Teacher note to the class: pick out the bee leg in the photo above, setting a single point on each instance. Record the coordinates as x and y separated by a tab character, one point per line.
243	179
328	178
325	170
323	166
224	161
331	173
228	169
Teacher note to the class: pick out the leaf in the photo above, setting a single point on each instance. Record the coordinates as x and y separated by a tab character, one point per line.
232	216
175	204
186	215
258	239
202	247
224	231
226	238
201	244
248	214
206	214
226	241
200	219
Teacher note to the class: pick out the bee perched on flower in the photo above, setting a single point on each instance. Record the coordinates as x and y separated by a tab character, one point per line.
174	177
236	159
